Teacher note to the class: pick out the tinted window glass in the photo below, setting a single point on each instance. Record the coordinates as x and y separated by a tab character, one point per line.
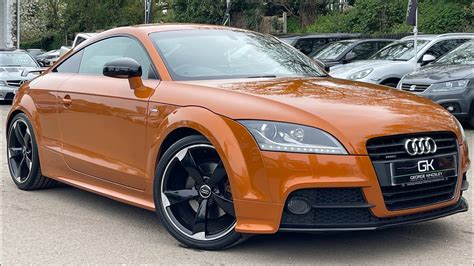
79	40
383	44
364	50
71	65
333	50
309	45
98	54
399	51
463	55
442	47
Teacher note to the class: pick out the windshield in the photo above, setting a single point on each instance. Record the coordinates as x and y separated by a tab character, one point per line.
226	54
400	51
333	50
16	60
463	55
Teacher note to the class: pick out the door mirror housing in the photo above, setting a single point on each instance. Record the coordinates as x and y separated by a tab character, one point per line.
123	68
350	56
427	58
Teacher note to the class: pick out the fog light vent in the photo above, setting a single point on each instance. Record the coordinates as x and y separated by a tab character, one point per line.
298	205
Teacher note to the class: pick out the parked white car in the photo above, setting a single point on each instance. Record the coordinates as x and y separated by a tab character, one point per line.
390	64
80	37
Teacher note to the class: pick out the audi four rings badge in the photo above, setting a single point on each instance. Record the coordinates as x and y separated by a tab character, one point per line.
419	146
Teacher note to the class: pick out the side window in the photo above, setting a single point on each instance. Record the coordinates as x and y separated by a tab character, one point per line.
381	45
98	54
364	50
309	45
442	47
71	65
79	40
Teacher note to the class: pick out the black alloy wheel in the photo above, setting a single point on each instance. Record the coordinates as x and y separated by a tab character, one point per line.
193	196
22	154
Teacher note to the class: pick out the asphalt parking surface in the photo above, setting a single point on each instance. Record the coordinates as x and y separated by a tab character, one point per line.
68	225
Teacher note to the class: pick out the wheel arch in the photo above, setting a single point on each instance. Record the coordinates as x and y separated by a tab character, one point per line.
243	165
19	108
172	137
394	80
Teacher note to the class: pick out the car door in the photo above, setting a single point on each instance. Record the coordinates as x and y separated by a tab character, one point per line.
102	120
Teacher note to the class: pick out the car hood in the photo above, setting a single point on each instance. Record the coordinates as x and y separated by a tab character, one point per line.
439	73
14	73
351	68
352	111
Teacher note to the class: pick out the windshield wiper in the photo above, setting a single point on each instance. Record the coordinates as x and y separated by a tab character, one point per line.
262	76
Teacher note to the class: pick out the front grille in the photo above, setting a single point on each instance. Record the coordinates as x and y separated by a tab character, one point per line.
14	83
330	195
386	150
417	88
393	147
329	206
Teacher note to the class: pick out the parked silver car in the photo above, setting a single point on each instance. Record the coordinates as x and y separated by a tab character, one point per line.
16	67
390	64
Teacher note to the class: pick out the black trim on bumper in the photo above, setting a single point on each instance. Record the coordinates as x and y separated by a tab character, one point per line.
380	223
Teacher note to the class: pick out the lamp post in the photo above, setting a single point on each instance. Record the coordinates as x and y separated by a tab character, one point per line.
17	24
147	11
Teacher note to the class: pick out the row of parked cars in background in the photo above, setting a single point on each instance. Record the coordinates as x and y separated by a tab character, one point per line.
19	66
442	68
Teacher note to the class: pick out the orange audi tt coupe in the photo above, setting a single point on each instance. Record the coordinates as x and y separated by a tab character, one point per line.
225	133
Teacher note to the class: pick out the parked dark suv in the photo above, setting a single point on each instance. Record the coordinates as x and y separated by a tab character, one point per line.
310	43
449	81
346	51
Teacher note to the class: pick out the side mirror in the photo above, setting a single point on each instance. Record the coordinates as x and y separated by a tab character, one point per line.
125	68
122	68
427	58
350	56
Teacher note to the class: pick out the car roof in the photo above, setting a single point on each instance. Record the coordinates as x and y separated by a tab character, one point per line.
367	40
322	36
87	34
430	37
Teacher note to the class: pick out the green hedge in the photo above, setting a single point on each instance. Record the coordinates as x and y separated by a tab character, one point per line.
380	16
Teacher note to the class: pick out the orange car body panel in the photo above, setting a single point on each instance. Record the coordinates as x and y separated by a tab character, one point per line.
108	141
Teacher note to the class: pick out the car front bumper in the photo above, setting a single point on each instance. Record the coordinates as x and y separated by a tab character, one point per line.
458	104
7	93
262	207
367	221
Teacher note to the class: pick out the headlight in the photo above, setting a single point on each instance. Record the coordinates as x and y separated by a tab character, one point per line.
285	137
455	85
361	74
3	83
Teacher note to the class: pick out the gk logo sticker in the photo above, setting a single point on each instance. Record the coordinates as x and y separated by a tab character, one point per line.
425	166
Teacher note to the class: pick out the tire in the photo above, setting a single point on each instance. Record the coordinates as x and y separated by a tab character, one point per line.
22	155
192	196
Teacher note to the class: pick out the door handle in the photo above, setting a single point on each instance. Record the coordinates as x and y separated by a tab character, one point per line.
67	101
